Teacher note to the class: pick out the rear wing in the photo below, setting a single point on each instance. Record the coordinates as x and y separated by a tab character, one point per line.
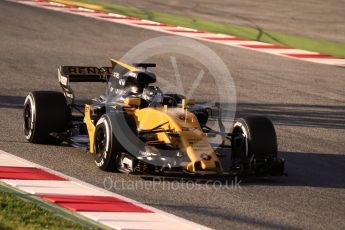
83	74
69	74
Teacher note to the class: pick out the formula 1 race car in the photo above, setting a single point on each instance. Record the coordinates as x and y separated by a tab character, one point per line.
136	128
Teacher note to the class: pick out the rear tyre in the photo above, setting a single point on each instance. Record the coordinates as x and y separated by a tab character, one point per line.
254	136
45	112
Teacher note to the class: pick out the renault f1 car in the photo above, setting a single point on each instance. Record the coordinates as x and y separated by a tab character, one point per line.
135	128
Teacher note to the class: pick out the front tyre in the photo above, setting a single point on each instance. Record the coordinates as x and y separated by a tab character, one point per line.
254	147
45	112
254	136
106	147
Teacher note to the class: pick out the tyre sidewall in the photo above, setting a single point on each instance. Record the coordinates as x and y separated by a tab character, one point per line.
241	124
107	161
260	134
29	101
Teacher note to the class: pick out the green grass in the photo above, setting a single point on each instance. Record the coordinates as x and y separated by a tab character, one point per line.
19	214
20	210
278	38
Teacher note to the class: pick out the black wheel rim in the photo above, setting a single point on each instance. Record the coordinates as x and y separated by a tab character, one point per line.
100	142
27	119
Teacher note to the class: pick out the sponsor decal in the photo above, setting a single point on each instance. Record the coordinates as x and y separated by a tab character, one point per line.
86	70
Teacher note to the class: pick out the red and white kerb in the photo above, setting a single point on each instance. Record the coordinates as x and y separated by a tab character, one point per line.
100	205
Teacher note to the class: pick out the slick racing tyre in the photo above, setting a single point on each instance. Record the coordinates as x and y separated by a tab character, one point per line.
45	112
254	136
106	146
108	149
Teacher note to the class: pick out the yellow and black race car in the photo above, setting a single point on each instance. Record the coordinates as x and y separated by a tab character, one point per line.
136	128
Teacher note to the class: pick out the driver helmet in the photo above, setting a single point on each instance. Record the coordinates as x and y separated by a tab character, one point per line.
152	94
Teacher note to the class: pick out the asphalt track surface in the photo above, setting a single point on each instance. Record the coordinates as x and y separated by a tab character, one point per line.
310	18
304	100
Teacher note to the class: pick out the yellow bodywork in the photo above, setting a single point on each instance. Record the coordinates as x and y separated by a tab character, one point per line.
124	65
190	138
187	133
90	127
